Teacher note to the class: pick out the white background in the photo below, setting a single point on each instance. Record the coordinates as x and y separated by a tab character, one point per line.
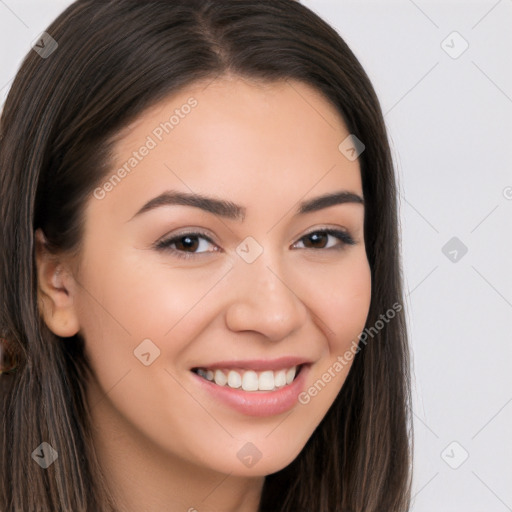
450	127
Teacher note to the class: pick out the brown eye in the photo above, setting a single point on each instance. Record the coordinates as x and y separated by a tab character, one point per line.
321	239
187	245
316	240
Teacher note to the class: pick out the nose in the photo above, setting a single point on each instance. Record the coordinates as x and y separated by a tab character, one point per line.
265	302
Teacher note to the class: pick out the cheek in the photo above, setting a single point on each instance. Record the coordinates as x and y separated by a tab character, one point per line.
128	301
340	299
350	305
123	305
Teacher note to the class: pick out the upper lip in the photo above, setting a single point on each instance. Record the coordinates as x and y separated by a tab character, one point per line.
258	364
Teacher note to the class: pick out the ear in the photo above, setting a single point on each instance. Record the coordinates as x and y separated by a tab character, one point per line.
55	289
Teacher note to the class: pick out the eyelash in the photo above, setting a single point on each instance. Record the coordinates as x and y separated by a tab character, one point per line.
164	245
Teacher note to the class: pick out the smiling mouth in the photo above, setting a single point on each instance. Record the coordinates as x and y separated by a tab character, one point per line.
250	380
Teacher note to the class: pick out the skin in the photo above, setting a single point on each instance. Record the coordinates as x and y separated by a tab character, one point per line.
163	443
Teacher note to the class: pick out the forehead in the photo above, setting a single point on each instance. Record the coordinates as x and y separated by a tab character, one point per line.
253	141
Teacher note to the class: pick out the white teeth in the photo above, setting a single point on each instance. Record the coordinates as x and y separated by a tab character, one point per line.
250	380
280	379
234	379
266	381
220	378
290	375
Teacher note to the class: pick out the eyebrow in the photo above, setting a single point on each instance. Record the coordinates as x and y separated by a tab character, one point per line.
234	211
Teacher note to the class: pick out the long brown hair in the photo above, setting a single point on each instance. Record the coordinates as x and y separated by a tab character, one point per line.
115	59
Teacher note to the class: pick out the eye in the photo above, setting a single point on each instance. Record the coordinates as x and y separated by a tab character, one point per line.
186	245
326	239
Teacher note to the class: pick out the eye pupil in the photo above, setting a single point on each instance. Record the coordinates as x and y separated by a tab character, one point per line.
187	243
317	239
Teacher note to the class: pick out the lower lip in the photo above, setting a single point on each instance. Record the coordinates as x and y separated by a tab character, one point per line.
257	403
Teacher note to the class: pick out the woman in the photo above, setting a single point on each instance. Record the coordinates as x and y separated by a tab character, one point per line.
200	274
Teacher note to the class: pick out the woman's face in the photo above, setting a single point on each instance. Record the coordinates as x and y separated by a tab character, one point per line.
211	252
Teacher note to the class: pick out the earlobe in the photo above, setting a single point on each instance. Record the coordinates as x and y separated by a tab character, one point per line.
55	291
